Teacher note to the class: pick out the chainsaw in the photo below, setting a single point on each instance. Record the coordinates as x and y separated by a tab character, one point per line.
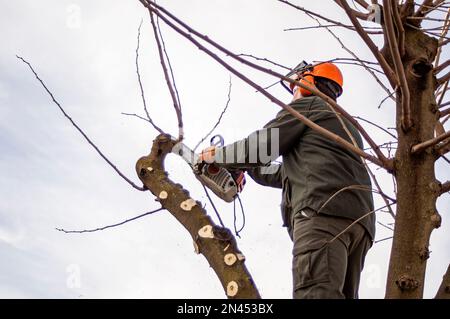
224	183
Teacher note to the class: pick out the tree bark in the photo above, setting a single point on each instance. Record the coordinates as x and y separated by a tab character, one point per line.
418	188
217	244
444	289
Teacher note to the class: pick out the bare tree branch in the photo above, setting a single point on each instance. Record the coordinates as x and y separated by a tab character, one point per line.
422	146
337	23
380	58
363	4
218	120
264	60
169	64
376	125
444	78
170	86
441	67
109	226
79	129
363	63
398	65
425	8
355	13
386	163
354	223
443	148
149	119
136	115
399	25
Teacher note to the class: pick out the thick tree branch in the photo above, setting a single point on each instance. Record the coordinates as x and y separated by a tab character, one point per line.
422	146
79	129
381	161
217	244
444	289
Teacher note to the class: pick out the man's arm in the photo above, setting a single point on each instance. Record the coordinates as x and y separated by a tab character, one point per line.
262	146
267	175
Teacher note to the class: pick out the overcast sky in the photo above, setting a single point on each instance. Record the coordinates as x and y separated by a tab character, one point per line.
50	177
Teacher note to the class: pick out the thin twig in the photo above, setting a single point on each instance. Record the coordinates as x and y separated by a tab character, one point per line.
168	63
218	120
384	239
385	226
376	125
109	226
79	129
140	83
354	223
264	60
173	95
362	62
135	115
373	48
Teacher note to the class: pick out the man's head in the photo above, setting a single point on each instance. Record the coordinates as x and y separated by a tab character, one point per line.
325	77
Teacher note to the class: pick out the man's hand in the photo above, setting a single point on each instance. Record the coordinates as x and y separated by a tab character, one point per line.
207	155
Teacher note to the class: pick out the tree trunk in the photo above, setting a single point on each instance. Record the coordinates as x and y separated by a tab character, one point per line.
416	215
217	244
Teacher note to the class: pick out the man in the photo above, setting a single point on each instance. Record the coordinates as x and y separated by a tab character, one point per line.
325	188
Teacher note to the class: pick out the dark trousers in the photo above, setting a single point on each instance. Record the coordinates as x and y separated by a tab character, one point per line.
326	266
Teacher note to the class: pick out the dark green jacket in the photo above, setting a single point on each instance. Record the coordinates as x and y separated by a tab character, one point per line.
314	167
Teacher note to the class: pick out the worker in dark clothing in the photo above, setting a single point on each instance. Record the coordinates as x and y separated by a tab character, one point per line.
325	188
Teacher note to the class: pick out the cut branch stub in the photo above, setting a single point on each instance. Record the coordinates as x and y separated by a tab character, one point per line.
188	204
206	232
230	259
232	289
209	239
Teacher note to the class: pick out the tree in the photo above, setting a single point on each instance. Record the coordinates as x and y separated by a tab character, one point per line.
410	62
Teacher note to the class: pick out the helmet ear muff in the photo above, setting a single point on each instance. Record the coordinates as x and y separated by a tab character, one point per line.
309	81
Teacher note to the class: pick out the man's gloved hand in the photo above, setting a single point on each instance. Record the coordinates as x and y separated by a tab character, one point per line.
207	156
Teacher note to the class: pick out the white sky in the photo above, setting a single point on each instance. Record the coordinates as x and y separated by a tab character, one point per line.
85	53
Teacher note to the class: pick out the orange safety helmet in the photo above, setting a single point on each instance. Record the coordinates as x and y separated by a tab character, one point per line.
326	70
